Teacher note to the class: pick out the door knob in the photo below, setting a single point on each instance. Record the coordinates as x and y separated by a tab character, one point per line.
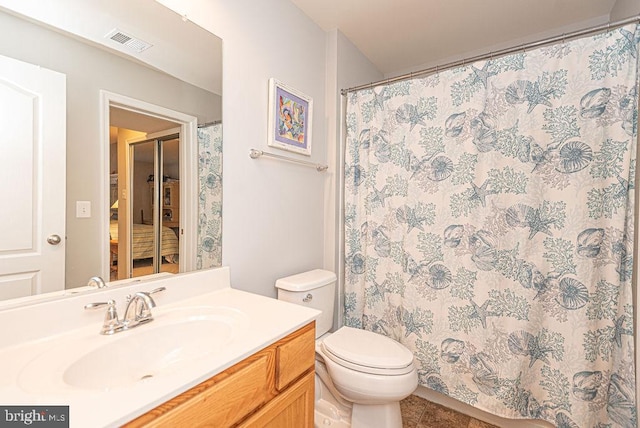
54	239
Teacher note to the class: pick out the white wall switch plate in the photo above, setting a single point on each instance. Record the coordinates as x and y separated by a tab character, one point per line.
83	209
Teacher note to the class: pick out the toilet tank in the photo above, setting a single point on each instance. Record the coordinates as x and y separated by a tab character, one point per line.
314	289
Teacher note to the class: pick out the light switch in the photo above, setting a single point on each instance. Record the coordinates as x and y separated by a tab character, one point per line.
83	209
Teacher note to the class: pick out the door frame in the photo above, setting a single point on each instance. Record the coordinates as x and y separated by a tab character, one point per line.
188	174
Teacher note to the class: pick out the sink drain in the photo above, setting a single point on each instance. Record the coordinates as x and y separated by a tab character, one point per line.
146	377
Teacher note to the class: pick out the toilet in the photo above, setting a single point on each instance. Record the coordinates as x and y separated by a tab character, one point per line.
361	376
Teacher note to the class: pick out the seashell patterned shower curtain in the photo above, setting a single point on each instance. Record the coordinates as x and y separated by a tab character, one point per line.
209	252
489	217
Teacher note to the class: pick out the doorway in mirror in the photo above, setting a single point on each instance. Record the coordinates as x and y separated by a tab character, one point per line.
148	210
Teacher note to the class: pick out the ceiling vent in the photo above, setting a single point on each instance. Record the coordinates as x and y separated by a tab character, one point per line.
127	40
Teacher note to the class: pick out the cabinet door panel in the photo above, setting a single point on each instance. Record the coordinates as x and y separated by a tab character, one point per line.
291	409
294	358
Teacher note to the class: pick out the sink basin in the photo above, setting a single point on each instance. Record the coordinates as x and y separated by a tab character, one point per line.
174	339
142	356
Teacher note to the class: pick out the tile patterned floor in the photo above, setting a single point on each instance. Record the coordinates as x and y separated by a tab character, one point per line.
420	413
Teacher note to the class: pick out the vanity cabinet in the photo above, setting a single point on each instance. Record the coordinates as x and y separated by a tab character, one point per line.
272	388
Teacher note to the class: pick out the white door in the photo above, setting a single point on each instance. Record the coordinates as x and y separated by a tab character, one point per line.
32	179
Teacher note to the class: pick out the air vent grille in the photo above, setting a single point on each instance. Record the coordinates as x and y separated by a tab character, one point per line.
127	40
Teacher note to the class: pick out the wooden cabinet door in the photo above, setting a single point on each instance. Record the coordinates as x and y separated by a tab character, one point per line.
291	409
295	357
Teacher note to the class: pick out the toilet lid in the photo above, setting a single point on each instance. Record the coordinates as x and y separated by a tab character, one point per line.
368	349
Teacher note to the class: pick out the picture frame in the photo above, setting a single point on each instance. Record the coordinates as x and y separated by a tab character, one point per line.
290	118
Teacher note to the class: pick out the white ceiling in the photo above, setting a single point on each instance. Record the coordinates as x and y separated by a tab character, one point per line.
406	35
396	35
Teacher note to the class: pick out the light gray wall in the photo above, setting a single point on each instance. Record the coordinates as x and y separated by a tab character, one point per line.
353	67
89	70
272	210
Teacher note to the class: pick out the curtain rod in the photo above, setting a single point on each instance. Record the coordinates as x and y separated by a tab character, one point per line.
215	122
491	55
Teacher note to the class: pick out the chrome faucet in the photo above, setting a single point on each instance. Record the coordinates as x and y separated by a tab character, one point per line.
138	312
138	309
96	281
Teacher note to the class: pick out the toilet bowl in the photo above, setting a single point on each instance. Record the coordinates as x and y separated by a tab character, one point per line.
370	372
361	376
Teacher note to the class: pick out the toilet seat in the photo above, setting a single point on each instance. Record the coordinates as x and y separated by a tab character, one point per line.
367	352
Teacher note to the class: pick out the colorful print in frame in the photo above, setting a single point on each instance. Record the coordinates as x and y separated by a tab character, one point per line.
290	113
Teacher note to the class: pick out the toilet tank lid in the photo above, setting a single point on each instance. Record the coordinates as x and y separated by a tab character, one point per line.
306	281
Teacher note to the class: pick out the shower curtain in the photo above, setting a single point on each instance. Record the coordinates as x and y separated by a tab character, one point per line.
489	228
209	252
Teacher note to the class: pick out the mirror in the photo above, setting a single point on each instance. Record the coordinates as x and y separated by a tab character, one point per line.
180	71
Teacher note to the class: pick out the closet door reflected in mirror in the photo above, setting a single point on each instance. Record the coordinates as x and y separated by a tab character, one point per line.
155	215
145	201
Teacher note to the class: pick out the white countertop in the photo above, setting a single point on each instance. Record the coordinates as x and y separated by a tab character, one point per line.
267	320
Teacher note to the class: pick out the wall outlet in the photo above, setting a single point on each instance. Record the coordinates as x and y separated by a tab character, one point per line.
83	209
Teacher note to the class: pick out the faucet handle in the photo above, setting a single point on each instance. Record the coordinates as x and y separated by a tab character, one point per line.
111	322
99	304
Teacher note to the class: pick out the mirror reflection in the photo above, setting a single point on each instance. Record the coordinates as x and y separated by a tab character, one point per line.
152	233
115	186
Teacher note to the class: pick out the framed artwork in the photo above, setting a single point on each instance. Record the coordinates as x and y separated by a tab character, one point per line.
290	113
